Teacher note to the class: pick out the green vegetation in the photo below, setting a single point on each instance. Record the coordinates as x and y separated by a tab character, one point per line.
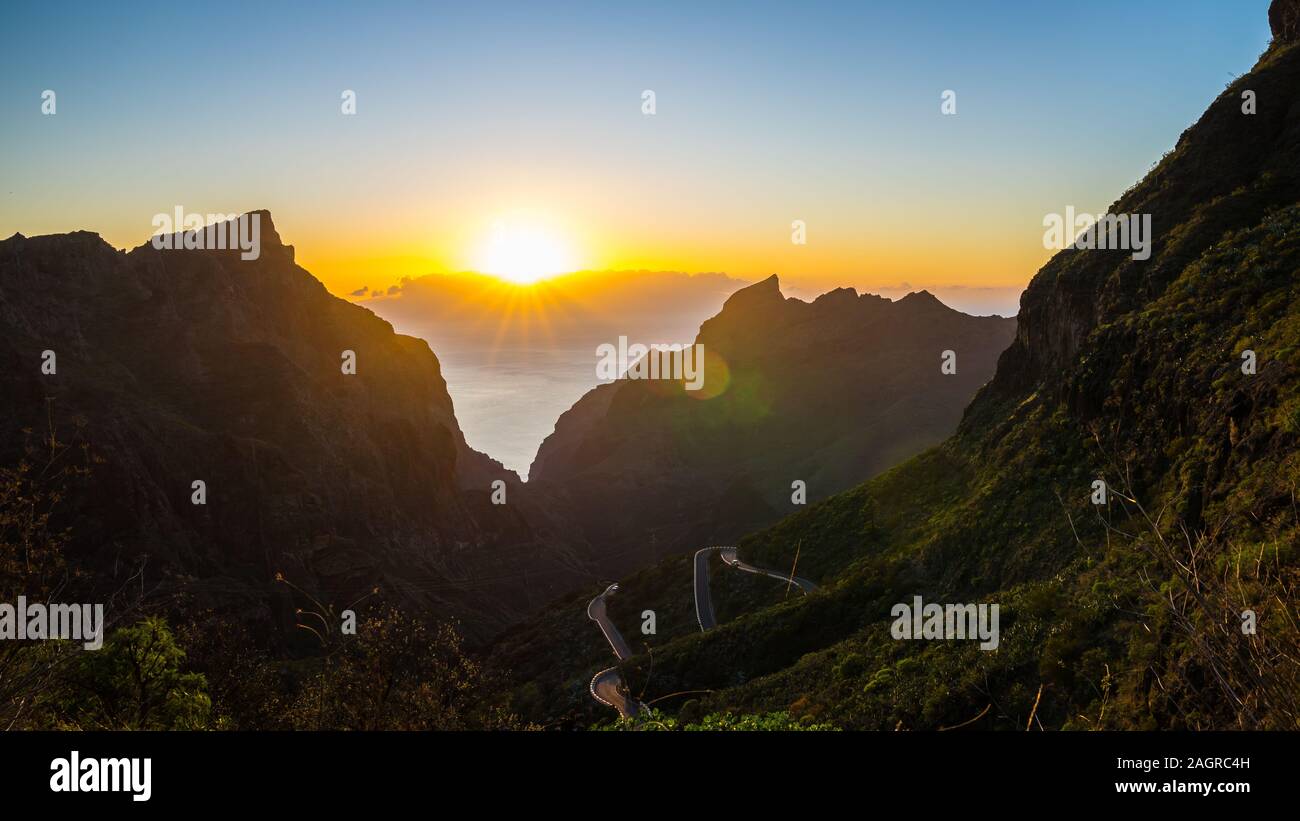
396	673
654	720
134	682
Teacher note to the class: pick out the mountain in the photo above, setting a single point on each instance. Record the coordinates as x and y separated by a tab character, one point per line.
1167	601
176	366
173	367
828	393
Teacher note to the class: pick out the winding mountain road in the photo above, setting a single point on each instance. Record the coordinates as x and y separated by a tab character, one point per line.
704	599
607	688
607	685
596	612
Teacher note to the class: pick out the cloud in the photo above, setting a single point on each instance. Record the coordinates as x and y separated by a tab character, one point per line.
362	291
394	289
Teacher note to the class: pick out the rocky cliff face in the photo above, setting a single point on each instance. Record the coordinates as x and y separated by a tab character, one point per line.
828	393
1194	195
1284	20
191	365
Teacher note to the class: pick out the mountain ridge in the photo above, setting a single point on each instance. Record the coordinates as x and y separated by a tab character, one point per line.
826	392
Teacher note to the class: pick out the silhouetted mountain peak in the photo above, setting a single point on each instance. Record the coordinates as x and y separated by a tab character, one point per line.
837	297
269	232
923	302
267	238
767	291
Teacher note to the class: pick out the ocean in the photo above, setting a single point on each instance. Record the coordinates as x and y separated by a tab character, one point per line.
508	400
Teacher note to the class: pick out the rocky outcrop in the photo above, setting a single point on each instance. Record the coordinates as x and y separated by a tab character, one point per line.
1284	20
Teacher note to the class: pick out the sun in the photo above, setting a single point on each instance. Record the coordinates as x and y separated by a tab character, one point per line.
524	253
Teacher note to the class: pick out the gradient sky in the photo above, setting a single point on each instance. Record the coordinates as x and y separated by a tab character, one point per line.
767	113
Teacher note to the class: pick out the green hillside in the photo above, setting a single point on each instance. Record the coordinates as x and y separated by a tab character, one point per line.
1122	615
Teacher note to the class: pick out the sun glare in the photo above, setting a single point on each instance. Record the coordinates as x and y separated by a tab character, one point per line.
524	254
